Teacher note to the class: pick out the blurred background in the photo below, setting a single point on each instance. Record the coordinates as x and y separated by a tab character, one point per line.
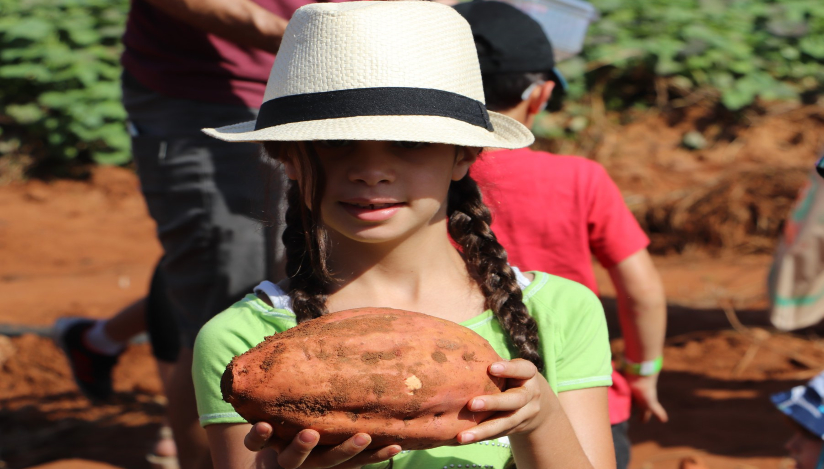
708	114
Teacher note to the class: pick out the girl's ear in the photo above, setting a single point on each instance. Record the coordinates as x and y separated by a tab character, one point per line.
464	158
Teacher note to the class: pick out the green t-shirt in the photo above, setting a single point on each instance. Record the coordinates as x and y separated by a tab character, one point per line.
573	342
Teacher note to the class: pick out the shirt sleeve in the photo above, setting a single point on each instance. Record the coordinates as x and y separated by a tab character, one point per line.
584	356
215	346
614	234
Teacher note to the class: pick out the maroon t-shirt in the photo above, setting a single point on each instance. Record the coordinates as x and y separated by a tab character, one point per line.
173	58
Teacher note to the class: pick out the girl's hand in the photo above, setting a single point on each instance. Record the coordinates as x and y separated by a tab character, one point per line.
525	404
301	452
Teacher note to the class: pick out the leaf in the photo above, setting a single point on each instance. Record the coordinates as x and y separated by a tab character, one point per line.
111	109
32	29
55	100
55	138
113	158
84	37
735	99
790	53
24	113
813	46
26	71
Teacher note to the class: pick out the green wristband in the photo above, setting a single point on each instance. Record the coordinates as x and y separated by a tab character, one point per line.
646	368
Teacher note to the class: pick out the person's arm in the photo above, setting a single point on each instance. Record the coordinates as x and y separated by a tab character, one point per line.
642	313
579	431
241	21
546	431
588	414
228	454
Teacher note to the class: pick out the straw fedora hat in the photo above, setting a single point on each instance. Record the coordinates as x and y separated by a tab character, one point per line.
405	70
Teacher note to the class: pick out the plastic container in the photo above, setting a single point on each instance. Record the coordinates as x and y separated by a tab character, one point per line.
565	22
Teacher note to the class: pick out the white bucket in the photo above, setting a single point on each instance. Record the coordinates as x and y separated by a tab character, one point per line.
565	22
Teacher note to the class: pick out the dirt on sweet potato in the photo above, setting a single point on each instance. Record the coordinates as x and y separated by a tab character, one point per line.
402	377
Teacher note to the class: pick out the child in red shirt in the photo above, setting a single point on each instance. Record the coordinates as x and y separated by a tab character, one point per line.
553	213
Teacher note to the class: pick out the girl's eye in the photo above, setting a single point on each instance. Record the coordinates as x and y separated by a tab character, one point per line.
334	143
410	145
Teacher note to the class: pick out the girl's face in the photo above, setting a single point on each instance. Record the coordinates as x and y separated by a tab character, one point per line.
804	449
382	191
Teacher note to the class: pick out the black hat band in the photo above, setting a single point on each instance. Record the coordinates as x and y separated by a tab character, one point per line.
361	102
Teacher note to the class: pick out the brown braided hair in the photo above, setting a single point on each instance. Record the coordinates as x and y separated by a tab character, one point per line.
304	238
486	261
469	225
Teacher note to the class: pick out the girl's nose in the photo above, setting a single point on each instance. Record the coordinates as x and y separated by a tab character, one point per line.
372	164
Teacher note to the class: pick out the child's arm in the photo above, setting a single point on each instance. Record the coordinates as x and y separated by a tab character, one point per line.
243	446
242	21
588	413
544	429
642	312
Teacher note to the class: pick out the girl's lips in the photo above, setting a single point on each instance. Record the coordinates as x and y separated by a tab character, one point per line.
372	212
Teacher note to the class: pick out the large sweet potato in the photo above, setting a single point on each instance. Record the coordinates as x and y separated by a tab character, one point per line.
402	377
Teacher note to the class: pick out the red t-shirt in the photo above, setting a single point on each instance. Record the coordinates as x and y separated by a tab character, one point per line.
173	58
553	213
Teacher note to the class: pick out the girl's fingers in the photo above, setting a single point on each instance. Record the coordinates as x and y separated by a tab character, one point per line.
511	399
383	454
494	427
258	436
298	450
344	451
517	368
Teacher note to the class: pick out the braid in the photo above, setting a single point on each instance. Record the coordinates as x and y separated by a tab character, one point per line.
307	291
304	238
486	260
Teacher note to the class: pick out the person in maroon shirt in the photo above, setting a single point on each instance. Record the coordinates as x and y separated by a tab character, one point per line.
554	213
190	64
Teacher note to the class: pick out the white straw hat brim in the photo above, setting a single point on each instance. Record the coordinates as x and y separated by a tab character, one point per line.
508	132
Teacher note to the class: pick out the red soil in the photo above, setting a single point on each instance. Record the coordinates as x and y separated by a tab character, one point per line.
88	249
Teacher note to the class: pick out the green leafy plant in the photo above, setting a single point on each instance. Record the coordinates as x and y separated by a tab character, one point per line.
734	50
59	76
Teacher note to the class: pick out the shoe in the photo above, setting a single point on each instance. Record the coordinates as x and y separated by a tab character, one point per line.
92	371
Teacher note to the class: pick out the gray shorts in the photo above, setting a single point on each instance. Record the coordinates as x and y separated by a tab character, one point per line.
623	447
207	198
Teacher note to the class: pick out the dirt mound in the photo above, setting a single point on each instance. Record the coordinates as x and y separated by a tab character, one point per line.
80	248
88	248
45	418
740	211
714	409
733	193
716	388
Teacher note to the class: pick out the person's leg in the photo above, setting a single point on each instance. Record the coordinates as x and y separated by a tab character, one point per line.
93	346
199	191
164	337
623	447
161	325
126	324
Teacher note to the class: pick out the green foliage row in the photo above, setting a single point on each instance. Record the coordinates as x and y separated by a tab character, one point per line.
59	75
59	61
740	49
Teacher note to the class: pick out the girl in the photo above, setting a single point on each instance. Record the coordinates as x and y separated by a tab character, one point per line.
376	112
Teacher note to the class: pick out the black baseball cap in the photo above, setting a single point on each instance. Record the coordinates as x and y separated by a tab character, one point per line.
510	41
